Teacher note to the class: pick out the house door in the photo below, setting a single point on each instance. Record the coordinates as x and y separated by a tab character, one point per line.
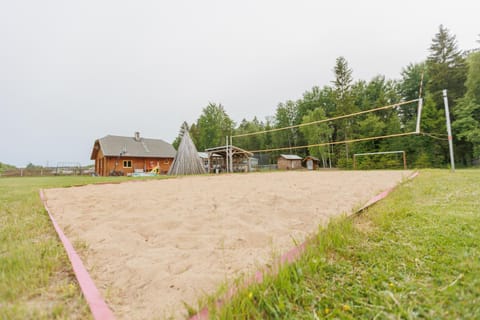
310	164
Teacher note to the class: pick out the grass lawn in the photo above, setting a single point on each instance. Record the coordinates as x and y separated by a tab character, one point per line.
36	278
414	255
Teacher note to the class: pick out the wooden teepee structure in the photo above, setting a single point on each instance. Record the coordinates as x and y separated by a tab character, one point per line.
187	160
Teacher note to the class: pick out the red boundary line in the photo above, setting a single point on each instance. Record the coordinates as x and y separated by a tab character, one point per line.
291	256
98	307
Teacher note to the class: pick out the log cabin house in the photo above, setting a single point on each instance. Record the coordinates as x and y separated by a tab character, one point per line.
117	155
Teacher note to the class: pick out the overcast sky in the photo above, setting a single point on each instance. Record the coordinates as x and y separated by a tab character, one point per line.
75	71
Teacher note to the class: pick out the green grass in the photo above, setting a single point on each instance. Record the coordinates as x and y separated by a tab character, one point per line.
414	255
36	278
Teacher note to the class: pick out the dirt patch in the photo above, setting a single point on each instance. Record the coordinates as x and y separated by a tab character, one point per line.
154	244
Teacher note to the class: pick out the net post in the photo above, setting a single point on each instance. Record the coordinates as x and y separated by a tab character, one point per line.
354	162
404	161
227	166
231	154
449	129
419	114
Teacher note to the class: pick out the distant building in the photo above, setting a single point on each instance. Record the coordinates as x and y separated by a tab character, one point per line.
311	162
289	162
117	155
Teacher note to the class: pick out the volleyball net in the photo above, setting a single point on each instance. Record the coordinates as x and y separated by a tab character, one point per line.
326	134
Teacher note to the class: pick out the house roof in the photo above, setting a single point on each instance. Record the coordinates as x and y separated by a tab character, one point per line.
311	157
290	157
131	147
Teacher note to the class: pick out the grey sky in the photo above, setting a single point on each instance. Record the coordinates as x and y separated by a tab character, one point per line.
74	71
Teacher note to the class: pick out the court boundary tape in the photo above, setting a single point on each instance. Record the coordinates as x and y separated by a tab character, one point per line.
291	256
98	307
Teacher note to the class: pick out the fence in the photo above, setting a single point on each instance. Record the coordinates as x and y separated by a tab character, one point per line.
45	172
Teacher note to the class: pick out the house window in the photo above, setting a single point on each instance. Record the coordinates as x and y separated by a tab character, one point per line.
127	163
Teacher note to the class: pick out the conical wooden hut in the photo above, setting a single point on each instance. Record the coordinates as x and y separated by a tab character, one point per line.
187	160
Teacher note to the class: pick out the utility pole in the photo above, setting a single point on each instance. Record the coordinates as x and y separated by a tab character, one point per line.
449	129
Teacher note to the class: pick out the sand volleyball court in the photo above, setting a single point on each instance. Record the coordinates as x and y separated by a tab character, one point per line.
153	245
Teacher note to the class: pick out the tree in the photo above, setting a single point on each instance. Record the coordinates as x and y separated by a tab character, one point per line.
253	142
286	116
4	167
446	67
342	83
317	98
178	139
467	114
412	80
213	126
411	87
317	133
344	102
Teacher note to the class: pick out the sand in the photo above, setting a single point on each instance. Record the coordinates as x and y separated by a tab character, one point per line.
153	245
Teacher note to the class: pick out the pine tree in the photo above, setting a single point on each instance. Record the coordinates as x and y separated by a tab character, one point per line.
344	102
447	68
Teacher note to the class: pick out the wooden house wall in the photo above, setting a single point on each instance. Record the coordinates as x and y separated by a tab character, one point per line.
285	164
105	165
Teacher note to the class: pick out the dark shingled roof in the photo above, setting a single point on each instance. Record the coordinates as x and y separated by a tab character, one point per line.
129	146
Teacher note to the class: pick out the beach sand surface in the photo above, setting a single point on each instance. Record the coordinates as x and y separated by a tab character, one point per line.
154	245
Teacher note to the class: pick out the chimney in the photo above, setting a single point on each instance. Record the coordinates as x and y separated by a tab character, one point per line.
137	136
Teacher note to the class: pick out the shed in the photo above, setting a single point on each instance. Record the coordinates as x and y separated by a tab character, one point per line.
311	162
289	162
119	155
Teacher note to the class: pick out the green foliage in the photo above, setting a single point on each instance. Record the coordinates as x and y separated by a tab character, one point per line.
412	80
212	127
255	142
446	68
33	166
343	102
286	115
423	161
4	166
409	88
467	113
315	134
473	77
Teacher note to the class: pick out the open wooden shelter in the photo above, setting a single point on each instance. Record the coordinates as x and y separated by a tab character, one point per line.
228	159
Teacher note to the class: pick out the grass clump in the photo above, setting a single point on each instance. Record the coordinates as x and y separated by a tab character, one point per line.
414	255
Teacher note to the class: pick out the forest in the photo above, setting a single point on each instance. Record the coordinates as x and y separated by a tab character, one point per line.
446	67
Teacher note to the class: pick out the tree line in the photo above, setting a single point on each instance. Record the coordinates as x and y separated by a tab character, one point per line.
446	67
